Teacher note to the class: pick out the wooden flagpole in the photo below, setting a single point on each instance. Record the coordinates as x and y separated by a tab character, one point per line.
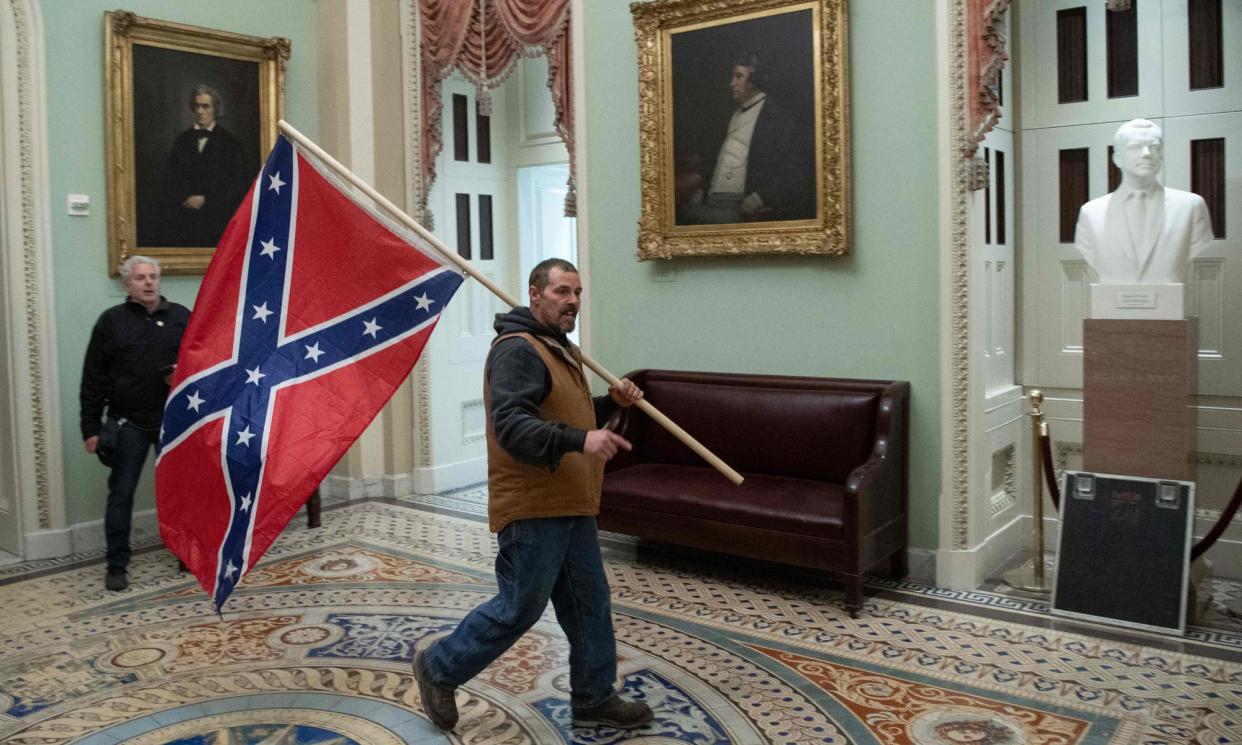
468	269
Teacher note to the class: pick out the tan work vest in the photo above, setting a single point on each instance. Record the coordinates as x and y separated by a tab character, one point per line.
517	490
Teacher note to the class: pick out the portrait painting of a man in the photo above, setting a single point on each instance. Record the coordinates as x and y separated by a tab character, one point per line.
743	120
189	114
196	144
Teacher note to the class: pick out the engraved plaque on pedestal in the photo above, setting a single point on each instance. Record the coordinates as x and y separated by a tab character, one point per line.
1156	302
1137	381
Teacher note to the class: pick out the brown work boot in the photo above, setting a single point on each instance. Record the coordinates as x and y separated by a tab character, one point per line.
614	712
438	703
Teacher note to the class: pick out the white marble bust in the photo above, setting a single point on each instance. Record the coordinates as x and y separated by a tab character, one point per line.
1142	233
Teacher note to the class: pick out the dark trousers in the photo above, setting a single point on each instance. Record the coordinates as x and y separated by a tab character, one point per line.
540	559
132	445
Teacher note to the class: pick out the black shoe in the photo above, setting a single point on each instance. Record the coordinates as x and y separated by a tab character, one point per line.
181	567
615	712
116	580
438	703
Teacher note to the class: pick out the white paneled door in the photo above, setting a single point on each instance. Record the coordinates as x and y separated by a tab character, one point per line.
471	201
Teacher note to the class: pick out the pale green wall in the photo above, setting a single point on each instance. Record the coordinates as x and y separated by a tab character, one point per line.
874	314
74	45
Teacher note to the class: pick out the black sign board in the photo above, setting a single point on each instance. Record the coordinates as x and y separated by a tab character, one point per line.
1123	554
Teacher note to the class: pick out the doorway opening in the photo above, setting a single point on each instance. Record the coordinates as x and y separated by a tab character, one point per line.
544	231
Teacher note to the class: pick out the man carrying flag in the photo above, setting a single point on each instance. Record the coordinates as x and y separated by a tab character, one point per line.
546	450
294	345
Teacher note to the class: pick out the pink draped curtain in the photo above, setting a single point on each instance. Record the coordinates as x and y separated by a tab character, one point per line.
484	39
985	46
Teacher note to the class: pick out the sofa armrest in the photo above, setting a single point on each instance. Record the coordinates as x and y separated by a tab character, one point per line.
878	489
625	422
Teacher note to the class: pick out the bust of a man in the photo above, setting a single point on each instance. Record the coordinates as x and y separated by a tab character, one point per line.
1142	233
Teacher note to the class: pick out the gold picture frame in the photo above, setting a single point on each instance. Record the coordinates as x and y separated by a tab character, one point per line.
688	51
153	71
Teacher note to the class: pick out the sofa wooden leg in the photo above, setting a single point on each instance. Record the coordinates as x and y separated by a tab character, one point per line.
853	594
898	565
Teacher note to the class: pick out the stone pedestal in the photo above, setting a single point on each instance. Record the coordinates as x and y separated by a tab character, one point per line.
1138	376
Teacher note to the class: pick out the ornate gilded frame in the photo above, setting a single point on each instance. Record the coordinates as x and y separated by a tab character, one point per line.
658	237
122	30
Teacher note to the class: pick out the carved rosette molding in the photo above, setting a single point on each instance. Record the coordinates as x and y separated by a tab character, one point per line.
959	289
980	173
1216	459
30	260
1213	514
1060	458
1065	449
1008	495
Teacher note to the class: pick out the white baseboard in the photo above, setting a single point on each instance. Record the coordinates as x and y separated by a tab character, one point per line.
86	537
398	485
1225	554
89	536
1226	558
440	479
353	487
922	565
967	569
48	544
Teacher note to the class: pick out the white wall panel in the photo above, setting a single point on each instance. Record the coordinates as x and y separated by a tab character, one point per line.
1040	107
1178	98
1215	290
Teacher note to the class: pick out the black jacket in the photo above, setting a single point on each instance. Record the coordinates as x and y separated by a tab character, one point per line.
218	173
780	165
129	354
518	383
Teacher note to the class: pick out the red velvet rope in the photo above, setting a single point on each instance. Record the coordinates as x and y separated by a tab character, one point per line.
1222	522
1050	471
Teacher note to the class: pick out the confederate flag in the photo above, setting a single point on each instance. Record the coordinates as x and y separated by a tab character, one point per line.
313	311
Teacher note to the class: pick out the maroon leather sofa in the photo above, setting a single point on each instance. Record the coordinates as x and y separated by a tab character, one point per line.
825	462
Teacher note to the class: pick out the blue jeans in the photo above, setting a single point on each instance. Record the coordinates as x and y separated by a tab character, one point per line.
553	558
132	445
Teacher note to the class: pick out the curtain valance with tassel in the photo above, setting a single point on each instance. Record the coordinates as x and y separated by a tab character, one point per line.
484	40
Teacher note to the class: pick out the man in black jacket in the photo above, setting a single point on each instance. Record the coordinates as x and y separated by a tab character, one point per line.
129	364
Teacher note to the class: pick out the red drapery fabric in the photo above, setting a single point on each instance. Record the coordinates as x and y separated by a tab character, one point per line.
985	46
484	39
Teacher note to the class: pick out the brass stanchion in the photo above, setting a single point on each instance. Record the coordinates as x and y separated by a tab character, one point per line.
1031	576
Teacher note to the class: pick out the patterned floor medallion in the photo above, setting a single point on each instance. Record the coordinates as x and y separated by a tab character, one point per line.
902	711
283	727
315	649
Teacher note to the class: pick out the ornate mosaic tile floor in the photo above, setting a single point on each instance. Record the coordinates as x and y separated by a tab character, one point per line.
315	647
